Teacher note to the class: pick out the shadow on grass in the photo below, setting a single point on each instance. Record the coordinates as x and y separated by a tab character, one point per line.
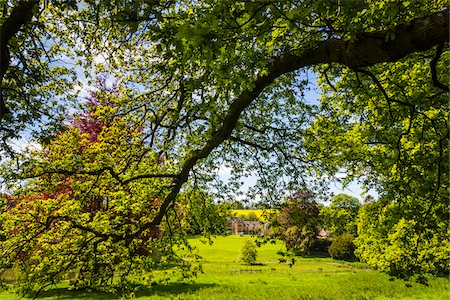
169	290
257	264
321	254
172	289
63	293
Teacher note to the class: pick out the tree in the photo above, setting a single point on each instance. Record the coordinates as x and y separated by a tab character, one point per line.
201	214
340	216
60	223
298	223
391	238
36	83
174	60
251	216
11	25
249	252
393	136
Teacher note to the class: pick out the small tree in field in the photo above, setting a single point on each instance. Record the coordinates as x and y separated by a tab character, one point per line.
249	252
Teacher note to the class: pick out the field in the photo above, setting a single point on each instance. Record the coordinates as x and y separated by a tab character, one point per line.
225	277
261	214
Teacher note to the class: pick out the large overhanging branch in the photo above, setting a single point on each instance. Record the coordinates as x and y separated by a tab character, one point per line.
369	49
19	17
110	170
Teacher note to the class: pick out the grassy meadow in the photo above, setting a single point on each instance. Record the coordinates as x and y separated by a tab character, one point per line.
226	278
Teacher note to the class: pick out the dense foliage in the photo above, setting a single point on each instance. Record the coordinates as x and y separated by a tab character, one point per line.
211	84
342	247
395	237
249	253
62	225
340	216
393	135
298	223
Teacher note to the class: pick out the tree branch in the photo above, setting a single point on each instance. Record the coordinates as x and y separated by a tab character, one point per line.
108	169
433	63
249	143
20	15
371	48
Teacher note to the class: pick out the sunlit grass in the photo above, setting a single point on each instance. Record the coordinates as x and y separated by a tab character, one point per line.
224	277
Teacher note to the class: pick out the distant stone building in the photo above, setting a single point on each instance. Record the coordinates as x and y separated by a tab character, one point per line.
241	226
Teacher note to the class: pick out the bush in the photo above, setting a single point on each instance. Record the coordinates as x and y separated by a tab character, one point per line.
342	247
321	245
249	252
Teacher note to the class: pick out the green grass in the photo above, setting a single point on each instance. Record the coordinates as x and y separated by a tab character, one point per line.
226	278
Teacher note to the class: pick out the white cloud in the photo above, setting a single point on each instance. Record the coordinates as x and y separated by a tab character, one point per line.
339	175
23	145
224	171
100	59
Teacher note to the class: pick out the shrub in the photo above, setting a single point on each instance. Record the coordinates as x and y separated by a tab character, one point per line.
249	252
321	245
342	247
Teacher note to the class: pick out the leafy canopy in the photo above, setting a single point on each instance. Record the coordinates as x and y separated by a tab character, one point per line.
224	83
70	225
388	125
297	223
340	216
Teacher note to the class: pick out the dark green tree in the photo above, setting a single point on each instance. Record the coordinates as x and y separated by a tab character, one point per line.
342	247
297	223
200	214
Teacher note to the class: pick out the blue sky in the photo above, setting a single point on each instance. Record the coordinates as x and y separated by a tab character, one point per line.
312	93
353	189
